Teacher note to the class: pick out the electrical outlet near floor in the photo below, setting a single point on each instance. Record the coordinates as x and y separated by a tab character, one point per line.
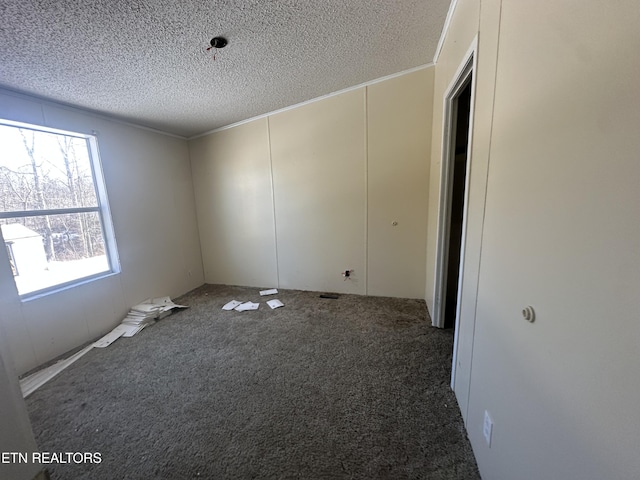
487	428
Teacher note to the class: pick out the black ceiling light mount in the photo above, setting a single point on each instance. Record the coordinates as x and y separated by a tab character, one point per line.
218	42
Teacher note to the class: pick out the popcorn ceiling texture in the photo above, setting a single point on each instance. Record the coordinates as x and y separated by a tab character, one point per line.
143	61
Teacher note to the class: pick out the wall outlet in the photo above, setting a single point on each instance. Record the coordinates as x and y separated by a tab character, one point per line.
487	428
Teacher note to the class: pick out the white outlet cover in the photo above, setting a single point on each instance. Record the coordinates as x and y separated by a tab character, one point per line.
487	428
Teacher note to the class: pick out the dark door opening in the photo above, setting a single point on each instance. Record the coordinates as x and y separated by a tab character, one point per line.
460	146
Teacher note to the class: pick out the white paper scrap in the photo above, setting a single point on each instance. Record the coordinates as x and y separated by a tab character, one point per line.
271	291
111	337
131	330
275	303
155	306
159	301
147	308
247	306
34	381
231	305
164	301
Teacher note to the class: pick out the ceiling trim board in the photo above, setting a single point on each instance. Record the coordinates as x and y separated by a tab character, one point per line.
445	30
86	111
313	100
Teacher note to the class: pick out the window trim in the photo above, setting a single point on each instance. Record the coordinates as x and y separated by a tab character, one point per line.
102	209
49	211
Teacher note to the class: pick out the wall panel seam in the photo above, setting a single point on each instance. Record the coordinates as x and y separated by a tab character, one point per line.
484	208
366	191
273	204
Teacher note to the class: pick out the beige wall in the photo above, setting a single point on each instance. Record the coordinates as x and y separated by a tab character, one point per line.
149	184
319	170
322	184
557	156
232	183
399	141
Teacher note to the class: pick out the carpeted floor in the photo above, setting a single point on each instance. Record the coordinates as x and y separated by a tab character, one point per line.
353	388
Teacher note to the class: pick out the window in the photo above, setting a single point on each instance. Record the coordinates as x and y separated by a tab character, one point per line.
54	215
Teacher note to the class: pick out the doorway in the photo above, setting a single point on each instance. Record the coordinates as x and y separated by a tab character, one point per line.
461	107
459	99
454	179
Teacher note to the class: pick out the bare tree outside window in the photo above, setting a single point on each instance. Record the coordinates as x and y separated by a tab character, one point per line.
50	215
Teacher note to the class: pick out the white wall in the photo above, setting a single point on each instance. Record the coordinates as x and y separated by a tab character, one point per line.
556	150
149	184
234	199
15	434
294	199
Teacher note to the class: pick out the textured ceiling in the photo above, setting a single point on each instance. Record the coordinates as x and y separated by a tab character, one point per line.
144	61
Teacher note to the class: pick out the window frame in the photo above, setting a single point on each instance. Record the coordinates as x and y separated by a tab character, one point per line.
101	209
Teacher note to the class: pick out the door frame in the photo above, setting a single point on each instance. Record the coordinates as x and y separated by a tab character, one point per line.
465	71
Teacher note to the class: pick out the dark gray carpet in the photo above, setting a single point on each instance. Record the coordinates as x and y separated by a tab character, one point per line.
353	388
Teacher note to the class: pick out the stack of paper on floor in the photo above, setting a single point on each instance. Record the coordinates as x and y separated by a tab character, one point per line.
146	313
139	317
